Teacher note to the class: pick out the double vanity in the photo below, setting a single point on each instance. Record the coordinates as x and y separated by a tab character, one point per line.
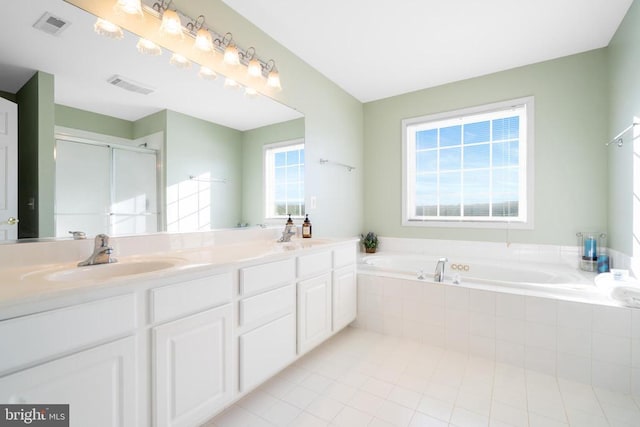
170	338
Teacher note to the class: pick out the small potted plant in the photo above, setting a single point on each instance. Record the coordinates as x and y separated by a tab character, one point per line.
370	242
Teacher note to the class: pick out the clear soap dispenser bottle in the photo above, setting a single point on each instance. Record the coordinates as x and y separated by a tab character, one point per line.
306	227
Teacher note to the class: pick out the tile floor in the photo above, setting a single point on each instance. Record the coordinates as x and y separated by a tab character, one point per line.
361	378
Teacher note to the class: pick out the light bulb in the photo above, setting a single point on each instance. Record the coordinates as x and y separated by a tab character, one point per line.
273	81
254	69
231	56
171	23
204	42
147	47
107	29
131	7
230	83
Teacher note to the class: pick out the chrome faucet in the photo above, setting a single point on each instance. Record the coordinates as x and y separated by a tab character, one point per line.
289	231
101	252
439	274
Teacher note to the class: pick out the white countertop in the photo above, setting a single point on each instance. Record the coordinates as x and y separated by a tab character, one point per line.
29	288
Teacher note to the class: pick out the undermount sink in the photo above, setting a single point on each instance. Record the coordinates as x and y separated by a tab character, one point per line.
105	271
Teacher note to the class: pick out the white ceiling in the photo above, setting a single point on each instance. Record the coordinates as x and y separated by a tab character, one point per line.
82	61
374	49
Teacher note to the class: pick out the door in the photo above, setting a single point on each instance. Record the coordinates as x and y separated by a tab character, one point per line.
98	384
344	297
314	312
8	170
192	368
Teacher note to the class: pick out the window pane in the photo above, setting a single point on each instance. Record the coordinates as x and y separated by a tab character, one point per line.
293	157
292	174
426	160
506	181
509	208
477	132
476	156
426	183
450	194
476	193
450	159
450	136
301	153
280	174
426	210
507	128
280	159
427	139
506	154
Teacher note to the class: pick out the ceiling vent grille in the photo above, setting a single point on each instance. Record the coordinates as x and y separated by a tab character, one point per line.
51	24
129	85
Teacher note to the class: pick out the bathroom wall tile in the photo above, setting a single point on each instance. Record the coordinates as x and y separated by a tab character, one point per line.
433	335
611	376
413	308
635	352
541	310
510	330
392	305
572	367
576	342
483	325
542	336
482	347
457	341
611	349
412	289
392	288
612	320
434	315
635	323
457	298
482	301
635	383
510	306
510	353
574	315
457	320
374	303
412	329
434	293
540	359
393	325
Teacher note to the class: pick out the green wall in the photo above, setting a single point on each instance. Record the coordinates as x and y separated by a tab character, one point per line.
93	122
252	165
570	159
624	63
194	147
36	165
9	96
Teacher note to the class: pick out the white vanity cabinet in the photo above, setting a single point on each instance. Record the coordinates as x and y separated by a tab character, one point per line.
83	355
344	286
191	355
266	321
314	299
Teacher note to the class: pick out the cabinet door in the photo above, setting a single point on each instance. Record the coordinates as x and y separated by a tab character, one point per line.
344	297
314	312
266	350
98	384
192	367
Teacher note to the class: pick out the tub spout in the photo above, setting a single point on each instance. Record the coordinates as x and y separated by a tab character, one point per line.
438	276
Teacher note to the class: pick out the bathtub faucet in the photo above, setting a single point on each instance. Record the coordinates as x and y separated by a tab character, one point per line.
439	274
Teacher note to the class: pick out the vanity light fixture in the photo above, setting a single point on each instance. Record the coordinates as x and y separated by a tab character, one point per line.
207	73
108	29
230	83
250	92
254	68
231	55
180	61
204	41
273	78
147	47
171	24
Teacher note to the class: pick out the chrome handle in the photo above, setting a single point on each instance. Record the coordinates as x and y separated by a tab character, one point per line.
12	221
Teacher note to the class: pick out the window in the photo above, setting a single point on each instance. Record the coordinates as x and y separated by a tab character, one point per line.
469	167
284	179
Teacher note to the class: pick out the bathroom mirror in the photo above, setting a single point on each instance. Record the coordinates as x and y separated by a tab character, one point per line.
204	123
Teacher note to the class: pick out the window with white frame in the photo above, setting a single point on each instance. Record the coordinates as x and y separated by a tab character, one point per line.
470	167
284	179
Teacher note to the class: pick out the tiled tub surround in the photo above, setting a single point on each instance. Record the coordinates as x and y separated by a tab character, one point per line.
586	340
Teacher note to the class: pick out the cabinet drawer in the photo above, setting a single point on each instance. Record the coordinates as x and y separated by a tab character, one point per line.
345	255
169	302
265	276
266	350
29	339
268	304
314	264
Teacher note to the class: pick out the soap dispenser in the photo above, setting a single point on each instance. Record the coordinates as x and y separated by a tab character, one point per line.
306	227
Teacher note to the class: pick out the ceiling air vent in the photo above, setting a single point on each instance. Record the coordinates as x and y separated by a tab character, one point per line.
51	24
129	85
